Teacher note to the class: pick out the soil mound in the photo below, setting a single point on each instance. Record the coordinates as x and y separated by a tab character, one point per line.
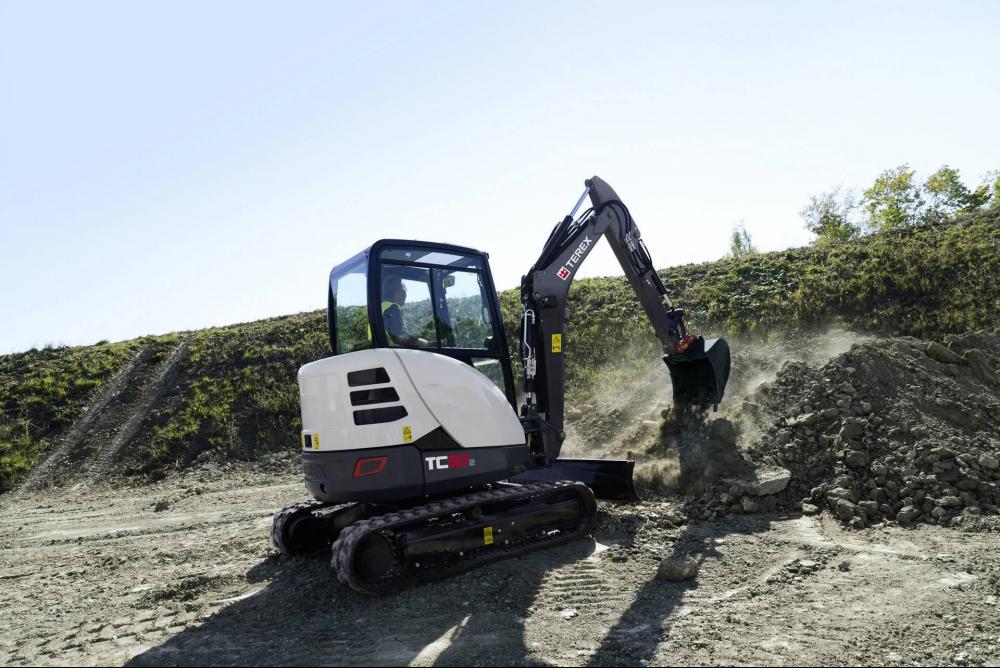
894	429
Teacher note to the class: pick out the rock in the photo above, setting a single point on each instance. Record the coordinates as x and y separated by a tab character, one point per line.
749	504
803	420
989	462
845	510
907	514
856	459
161	505
951	502
808	565
851	430
677	569
870	508
809	509
767	481
941	354
980	365
568	613
838	493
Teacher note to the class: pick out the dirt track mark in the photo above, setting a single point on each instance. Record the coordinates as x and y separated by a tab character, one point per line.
39	474
164	375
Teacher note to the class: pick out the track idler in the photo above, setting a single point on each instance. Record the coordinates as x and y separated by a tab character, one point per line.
699	374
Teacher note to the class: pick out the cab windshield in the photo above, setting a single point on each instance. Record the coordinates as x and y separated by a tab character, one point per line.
433	299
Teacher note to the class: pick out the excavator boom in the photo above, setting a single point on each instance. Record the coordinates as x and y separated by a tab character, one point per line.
699	368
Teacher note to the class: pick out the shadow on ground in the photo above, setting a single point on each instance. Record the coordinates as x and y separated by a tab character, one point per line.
647	621
302	616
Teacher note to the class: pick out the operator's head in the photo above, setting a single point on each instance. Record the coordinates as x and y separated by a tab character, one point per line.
393	289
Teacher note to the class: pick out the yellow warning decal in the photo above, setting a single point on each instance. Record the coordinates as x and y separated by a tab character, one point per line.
407	434
303	441
487	535
557	343
315	441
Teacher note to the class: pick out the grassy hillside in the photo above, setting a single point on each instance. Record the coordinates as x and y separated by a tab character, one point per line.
235	392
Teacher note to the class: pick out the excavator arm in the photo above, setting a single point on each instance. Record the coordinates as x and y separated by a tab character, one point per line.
699	369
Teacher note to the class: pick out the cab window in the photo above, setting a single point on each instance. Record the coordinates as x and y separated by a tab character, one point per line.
348	311
406	308
463	310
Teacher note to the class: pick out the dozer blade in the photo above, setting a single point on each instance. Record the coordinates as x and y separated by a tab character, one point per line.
610	479
699	374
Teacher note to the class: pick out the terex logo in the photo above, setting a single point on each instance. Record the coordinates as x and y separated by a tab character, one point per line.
565	271
449	462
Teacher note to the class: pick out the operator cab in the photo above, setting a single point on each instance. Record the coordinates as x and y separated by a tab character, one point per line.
447	305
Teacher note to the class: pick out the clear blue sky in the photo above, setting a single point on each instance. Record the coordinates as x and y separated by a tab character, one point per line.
176	165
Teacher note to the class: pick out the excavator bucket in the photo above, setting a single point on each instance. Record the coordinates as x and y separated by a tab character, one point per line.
699	374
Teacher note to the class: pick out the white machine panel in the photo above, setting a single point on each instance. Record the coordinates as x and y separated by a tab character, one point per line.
465	402
327	412
452	395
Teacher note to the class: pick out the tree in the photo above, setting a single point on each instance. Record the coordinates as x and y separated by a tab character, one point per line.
893	201
947	195
740	243
830	216
988	193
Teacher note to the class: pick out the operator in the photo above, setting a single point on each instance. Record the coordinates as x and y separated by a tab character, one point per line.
393	298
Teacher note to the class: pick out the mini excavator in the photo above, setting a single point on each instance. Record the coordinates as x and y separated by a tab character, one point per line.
419	461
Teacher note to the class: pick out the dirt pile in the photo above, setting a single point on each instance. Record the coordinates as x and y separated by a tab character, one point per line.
637	421
894	429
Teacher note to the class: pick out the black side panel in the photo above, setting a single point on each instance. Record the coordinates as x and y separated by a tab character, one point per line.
403	472
329	476
449	470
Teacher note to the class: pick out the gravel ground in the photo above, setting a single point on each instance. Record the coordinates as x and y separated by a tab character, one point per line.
181	573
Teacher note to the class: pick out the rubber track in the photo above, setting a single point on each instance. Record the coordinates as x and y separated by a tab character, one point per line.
347	542
286	514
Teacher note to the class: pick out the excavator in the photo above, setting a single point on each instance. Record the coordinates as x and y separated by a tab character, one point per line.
420	463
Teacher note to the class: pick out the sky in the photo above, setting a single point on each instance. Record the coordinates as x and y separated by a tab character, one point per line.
175	165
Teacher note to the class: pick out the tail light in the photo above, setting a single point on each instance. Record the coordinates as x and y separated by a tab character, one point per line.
367	466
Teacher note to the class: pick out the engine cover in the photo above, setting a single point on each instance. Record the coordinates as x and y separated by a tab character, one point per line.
389	396
389	424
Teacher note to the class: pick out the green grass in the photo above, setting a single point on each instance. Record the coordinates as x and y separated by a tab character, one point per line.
42	392
236	394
